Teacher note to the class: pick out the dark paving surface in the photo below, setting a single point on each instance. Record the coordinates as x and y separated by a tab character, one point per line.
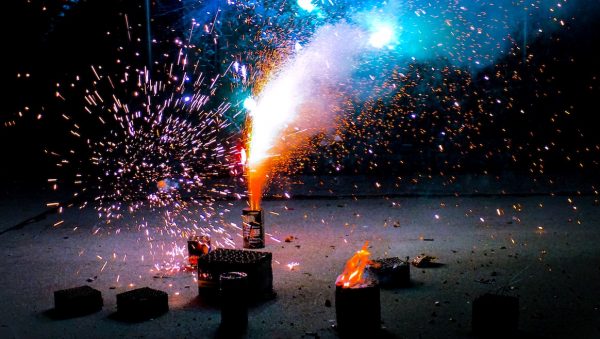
542	249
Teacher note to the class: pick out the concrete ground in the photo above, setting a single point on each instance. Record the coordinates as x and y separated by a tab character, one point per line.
543	249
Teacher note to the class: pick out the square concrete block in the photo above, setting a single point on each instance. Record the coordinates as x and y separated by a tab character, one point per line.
77	301
142	304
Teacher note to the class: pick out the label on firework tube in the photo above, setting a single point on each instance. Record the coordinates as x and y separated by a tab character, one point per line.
252	228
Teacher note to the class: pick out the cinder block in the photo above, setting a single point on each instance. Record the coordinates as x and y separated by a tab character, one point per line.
142	304
77	301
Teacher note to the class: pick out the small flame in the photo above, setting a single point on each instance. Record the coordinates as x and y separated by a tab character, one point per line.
355	269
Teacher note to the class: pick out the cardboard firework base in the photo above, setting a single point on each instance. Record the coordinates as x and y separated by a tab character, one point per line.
358	310
257	265
253	230
234	302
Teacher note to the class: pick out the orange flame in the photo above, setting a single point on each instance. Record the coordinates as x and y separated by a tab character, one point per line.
355	269
256	177
256	170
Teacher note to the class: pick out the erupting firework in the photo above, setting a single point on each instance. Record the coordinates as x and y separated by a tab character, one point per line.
299	101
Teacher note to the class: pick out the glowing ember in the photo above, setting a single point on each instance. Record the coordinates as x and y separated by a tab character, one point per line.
355	269
292	265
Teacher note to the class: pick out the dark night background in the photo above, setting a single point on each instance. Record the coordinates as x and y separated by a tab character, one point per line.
52	46
56	44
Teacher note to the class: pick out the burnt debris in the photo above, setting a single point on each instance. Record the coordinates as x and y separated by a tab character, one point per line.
391	272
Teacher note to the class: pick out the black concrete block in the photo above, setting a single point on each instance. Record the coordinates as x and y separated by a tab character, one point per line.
77	301
142	304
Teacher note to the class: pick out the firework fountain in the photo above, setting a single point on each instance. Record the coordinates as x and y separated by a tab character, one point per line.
299	101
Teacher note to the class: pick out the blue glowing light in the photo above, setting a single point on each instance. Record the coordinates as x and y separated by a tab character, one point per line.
187	98
382	36
307	5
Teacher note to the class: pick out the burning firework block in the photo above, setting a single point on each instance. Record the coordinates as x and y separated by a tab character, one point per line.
77	301
257	265
142	304
253	230
358	310
391	272
197	247
495	315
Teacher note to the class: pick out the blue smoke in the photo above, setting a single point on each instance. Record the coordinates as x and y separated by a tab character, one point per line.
469	34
